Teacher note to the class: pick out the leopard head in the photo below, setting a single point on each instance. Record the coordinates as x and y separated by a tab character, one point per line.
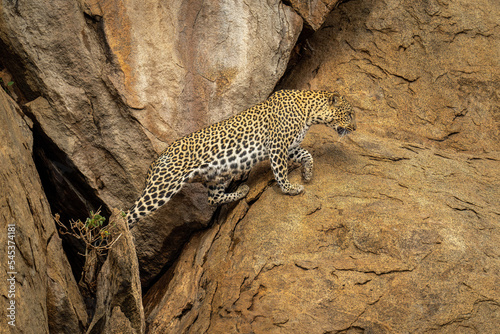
338	114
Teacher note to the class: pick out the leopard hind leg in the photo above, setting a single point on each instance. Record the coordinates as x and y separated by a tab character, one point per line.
162	184
217	192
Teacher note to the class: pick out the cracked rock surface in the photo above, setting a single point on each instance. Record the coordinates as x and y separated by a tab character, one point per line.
123	79
389	237
398	231
415	70
41	286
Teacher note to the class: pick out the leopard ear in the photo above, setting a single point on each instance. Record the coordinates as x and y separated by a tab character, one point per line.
334	98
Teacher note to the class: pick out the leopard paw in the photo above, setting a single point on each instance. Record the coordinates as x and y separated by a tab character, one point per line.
307	175
295	189
243	190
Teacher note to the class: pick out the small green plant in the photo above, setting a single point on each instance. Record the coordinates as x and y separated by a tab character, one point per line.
6	85
93	232
98	238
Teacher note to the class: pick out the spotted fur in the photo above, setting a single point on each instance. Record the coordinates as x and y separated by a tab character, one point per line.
273	129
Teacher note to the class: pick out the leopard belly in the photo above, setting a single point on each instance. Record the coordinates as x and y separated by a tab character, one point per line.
229	164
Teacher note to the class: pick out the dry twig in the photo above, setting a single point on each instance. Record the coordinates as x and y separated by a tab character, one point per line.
92	232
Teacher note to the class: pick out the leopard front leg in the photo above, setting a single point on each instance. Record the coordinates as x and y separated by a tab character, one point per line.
217	192
303	157
279	165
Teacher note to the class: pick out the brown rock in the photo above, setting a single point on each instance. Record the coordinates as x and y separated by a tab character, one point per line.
119	301
388	237
314	12
165	69
398	230
159	241
45	292
425	72
123	79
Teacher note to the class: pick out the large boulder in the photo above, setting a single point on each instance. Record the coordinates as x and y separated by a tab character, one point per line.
125	78
398	231
389	237
121	79
41	292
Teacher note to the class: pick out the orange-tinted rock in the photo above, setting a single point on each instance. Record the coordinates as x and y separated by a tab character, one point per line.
398	230
121	80
424	72
389	236
313	12
45	293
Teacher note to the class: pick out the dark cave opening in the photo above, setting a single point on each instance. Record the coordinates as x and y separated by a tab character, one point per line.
67	192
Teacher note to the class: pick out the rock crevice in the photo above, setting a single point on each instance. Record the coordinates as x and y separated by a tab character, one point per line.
397	232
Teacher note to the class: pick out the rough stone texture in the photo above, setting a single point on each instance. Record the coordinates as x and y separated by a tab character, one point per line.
313	12
46	294
416	71
97	75
124	78
390	237
119	300
398	232
159	242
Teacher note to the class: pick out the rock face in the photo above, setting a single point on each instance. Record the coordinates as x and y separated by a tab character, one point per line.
389	237
416	71
123	79
44	291
119	300
161	72
398	231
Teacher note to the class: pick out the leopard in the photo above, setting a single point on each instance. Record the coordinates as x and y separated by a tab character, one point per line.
272	130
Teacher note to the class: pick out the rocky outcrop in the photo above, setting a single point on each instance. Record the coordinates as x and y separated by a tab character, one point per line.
119	300
124	79
398	231
389	237
425	72
42	293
